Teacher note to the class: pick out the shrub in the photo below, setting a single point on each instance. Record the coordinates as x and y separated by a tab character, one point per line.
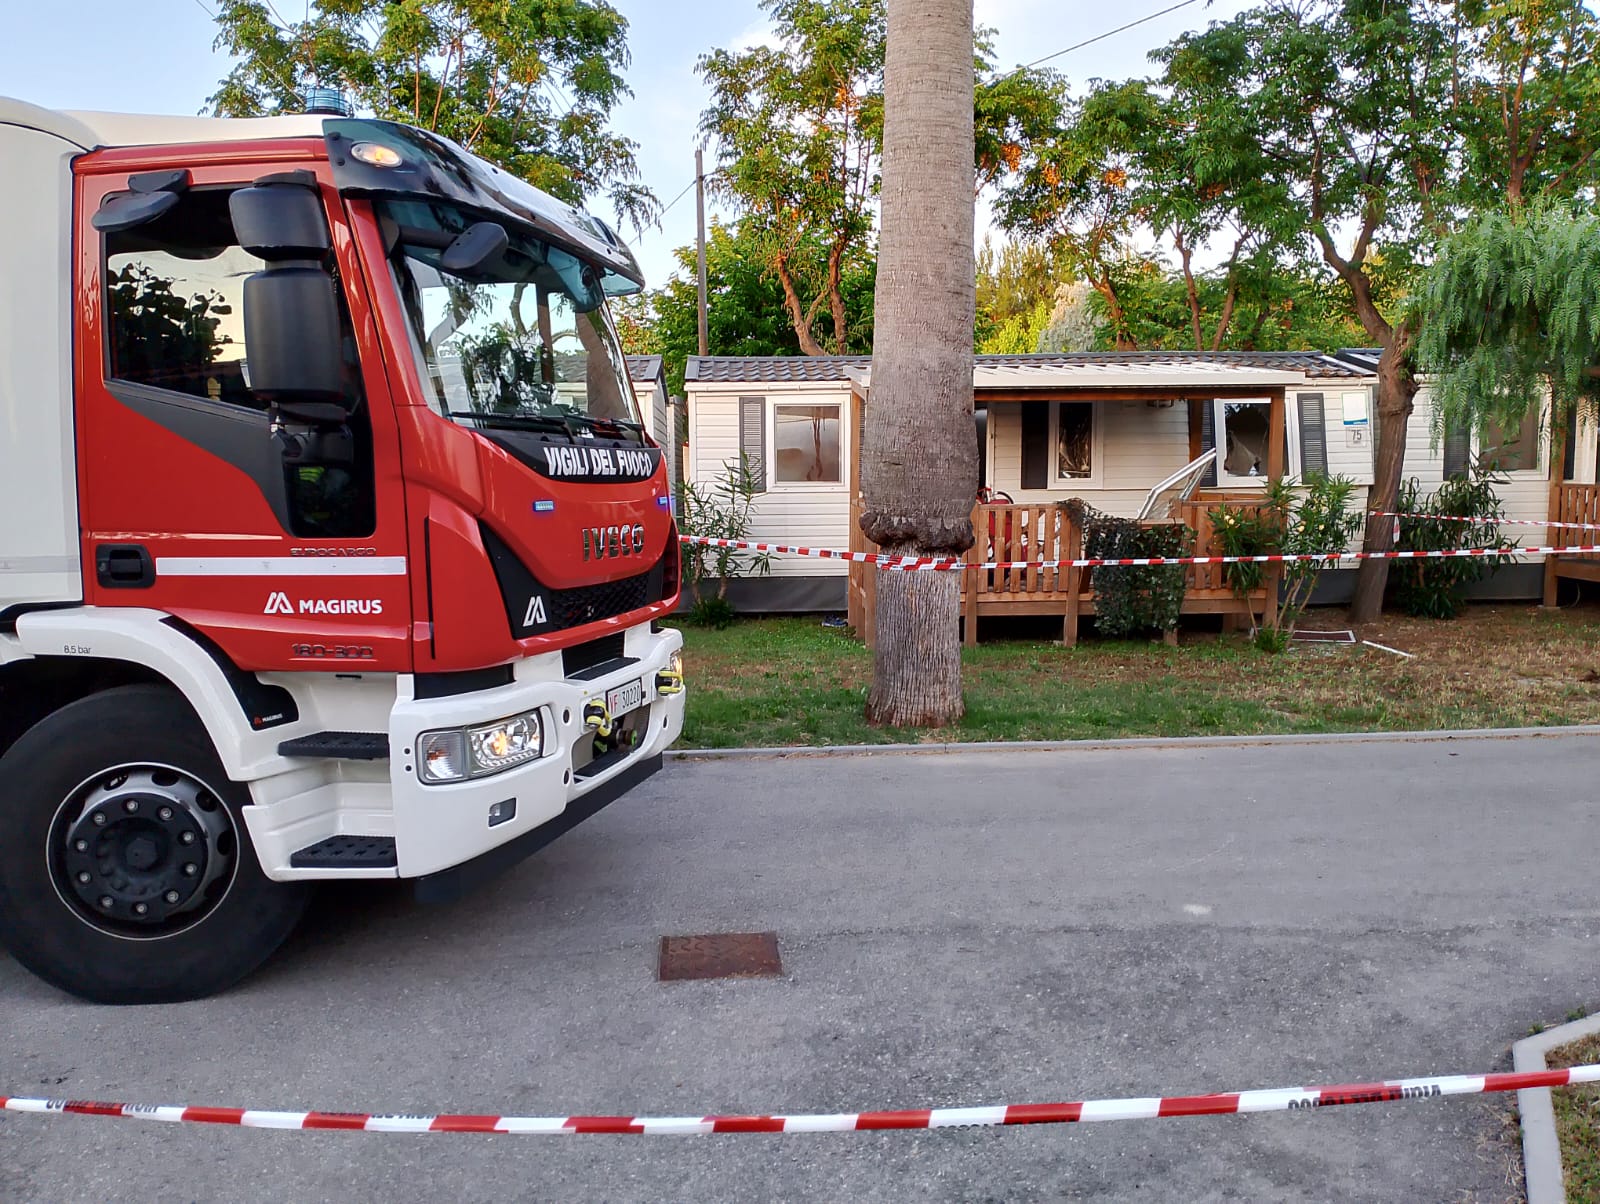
725	510
1433	589
1310	519
1128	600
712	610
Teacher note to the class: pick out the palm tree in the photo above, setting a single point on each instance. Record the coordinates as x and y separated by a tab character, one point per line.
919	458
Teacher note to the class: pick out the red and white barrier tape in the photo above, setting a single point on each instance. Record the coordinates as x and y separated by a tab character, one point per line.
1486	522
1282	1099
911	563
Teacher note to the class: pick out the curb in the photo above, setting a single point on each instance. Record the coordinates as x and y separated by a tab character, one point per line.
1158	742
1541	1149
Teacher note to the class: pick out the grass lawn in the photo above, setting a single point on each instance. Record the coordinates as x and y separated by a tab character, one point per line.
1578	1121
794	682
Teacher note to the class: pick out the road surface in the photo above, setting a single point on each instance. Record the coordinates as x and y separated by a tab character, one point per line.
955	929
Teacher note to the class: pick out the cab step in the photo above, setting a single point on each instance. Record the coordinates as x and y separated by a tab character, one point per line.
343	746
346	852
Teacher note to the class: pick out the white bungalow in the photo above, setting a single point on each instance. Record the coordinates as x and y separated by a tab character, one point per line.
1128	433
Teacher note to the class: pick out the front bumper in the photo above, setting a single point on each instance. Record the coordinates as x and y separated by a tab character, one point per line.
437	827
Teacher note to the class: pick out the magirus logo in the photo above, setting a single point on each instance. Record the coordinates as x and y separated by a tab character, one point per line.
278	604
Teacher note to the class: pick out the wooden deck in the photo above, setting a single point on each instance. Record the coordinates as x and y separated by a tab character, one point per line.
1047	532
1571	503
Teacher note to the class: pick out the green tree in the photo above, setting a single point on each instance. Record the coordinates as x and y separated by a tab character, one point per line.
1340	114
527	84
1017	287
1510	313
745	312
1371	123
798	132
1527	98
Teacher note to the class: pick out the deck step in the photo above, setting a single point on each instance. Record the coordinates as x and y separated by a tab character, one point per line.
344	746
346	852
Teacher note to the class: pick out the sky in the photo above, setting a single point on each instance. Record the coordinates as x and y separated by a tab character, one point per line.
156	56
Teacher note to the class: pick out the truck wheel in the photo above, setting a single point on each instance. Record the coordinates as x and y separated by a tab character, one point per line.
126	872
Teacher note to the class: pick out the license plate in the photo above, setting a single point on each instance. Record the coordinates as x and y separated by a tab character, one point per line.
625	698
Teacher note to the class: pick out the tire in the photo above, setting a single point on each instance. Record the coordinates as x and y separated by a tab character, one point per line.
126	871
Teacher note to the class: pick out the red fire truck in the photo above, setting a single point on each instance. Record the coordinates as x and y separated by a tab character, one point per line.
332	546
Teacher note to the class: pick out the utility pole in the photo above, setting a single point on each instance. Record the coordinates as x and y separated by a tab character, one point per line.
700	240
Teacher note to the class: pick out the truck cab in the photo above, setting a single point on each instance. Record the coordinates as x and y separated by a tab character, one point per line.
332	543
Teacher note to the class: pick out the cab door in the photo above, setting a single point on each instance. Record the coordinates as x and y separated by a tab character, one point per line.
282	539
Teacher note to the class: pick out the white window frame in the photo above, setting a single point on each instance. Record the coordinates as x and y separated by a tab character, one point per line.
801	401
1291	426
1586	455
1541	468
1097	447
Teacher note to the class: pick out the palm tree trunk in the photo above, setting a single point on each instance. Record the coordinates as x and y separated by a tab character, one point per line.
919	466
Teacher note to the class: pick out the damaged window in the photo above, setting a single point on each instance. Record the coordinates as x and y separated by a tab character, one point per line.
1075	440
1247	427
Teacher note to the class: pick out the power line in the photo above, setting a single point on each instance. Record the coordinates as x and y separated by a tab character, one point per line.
676	199
1100	37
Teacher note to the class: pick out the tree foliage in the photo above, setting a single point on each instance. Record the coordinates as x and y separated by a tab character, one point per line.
1312	517
1527	98
745	312
798	132
1511	311
527	84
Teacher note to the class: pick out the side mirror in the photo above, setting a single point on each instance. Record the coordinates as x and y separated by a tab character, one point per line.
291	334
291	313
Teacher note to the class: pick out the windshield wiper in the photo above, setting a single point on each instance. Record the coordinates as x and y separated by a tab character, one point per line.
518	422
598	423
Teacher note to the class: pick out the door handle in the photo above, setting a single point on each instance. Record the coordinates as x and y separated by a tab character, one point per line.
124	566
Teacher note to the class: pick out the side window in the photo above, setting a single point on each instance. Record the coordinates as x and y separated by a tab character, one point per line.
806	445
174	320
173	313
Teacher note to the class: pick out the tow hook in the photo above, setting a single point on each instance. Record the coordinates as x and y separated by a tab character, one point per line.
596	716
669	682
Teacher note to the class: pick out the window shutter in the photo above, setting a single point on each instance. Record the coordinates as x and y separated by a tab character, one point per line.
1208	439
1035	445
753	438
1569	454
1313	435
1457	450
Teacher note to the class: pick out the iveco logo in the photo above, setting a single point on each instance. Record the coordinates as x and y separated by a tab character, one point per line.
601	543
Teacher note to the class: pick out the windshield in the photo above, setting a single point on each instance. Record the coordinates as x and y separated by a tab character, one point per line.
523	342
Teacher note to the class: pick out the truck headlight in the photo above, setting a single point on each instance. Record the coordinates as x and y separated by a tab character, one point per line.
459	754
507	743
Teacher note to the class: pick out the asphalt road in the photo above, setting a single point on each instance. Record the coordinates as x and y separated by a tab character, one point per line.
955	929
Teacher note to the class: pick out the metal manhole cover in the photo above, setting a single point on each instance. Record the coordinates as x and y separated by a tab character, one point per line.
720	955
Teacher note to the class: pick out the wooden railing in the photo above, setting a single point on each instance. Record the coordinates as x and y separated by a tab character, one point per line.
1021	533
1046	532
1575	504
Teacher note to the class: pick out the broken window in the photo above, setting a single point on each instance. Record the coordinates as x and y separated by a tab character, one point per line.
1074	440
1246	427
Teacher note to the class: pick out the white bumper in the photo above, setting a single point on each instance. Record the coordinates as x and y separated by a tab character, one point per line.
436	827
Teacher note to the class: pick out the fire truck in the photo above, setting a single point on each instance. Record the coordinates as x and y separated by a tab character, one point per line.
332	545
